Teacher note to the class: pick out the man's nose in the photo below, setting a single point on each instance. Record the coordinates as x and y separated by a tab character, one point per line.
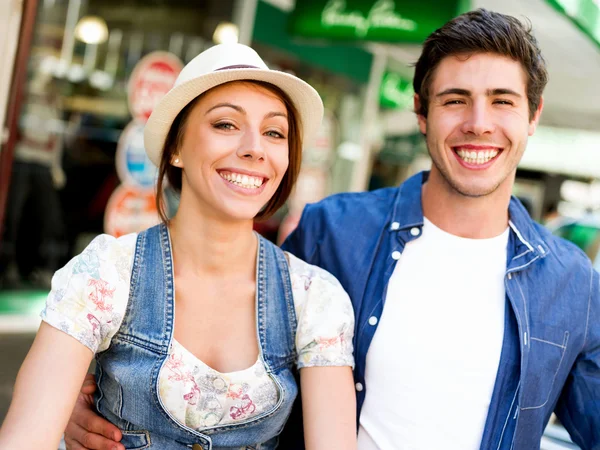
479	120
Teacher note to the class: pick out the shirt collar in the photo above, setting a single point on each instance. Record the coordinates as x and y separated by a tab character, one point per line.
408	213
408	209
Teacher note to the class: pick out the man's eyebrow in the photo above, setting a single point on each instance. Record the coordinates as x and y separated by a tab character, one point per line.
454	91
502	91
227	105
489	92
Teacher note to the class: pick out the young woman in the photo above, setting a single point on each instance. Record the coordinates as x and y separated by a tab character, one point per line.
198	323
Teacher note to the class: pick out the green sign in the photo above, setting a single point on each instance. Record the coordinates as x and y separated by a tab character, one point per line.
396	92
346	59
585	14
373	20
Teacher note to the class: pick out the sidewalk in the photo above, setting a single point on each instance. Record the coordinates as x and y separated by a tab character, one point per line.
20	311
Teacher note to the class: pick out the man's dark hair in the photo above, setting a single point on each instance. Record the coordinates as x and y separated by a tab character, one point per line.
482	31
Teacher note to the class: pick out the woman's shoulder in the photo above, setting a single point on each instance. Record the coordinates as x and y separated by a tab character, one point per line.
325	316
300	269
110	246
105	251
315	290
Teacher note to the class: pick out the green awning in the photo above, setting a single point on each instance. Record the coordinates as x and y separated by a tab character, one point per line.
585	14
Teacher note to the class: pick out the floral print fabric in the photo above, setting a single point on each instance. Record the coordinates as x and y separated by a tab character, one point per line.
89	299
201	397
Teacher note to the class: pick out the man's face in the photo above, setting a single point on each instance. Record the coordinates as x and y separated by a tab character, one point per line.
478	122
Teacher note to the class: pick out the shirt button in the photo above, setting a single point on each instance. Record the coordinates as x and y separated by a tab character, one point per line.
395	226
396	255
415	231
359	387
372	320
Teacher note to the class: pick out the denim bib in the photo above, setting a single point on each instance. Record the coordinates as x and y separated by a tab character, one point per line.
128	371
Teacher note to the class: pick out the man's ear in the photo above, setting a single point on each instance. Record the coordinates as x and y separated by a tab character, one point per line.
420	118
536	117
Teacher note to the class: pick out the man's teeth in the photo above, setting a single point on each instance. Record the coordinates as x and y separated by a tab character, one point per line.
243	180
477	157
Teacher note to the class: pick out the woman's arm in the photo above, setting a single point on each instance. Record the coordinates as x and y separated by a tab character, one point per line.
328	408
45	391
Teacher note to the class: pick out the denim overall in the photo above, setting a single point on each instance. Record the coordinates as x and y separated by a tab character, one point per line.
128	371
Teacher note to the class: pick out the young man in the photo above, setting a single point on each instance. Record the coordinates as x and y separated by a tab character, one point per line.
473	323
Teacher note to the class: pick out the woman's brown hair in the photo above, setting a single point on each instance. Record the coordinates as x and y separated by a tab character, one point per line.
174	140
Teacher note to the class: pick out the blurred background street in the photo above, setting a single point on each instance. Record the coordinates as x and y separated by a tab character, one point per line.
79	78
13	348
18	324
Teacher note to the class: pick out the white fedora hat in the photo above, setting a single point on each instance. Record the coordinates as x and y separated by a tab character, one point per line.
221	64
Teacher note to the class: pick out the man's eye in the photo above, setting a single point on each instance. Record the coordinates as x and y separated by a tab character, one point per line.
454	102
503	102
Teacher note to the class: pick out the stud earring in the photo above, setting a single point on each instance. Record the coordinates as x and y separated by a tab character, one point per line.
176	161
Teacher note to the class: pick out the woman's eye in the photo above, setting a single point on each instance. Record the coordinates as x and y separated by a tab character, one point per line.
224	126
275	134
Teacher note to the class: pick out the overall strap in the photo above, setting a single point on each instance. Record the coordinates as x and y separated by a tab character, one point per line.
276	314
148	320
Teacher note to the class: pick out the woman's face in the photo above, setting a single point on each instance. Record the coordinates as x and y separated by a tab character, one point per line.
235	150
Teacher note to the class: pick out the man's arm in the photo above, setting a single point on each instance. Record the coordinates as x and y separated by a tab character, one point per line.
303	241
579	405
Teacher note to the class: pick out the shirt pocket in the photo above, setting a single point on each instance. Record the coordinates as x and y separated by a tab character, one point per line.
545	360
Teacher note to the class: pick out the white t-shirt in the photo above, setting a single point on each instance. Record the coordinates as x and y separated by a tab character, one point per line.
432	365
89	299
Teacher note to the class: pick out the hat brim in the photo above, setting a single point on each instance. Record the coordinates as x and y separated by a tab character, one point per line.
304	97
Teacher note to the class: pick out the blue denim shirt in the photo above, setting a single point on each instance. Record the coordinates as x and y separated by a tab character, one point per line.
550	356
128	371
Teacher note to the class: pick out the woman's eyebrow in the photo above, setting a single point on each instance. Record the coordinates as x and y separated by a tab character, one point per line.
227	105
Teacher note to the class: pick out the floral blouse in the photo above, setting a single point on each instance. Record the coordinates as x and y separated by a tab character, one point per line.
89	298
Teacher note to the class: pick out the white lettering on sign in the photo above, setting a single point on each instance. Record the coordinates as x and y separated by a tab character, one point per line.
381	15
159	77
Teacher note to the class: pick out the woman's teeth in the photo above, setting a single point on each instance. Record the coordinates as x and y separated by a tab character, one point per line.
244	181
480	157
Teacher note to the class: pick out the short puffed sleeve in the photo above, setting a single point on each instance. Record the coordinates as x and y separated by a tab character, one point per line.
325	317
89	295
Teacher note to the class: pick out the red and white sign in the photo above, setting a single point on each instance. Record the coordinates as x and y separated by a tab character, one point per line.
150	80
130	209
132	206
133	165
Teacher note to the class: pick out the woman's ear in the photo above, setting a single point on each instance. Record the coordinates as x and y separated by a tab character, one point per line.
176	161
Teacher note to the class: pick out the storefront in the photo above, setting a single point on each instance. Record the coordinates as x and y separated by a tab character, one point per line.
76	65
